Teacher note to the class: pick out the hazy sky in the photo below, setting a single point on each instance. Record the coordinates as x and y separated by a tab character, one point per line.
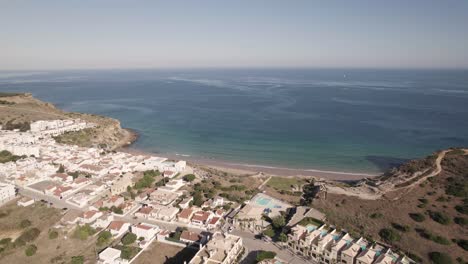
140	34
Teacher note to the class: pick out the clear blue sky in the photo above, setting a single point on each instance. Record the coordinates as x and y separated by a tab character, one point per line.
154	34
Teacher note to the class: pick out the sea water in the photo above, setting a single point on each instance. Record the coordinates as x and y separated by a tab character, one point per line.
340	119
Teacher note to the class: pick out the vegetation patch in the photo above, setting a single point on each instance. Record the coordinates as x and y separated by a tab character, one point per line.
77	260
418	217
401	228
429	236
83	232
26	236
30	250
6	156
439	217
463	243
128	239
389	235
285	183
104	238
440	258
128	252
262	255
460	221
147	180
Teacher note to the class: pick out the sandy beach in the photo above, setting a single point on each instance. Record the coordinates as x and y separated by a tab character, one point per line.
237	168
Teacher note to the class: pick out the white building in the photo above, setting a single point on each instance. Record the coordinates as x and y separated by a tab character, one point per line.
111	256
222	249
145	231
7	192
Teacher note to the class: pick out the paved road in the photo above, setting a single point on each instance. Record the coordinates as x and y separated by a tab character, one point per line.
56	202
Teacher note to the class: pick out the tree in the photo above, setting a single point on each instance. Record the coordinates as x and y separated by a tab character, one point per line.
61	169
269	232
283	237
278	222
103	238
129	238
262	255
83	232
197	199
116	210
126	252
189	177
30	250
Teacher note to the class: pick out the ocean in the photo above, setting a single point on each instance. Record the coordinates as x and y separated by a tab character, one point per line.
341	119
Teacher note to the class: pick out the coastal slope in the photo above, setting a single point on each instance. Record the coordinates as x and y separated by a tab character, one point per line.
421	207
18	110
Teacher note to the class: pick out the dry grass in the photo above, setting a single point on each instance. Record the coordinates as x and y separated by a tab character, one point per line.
355	215
165	253
58	250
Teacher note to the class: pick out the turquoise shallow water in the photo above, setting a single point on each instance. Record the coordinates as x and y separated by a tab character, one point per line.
346	120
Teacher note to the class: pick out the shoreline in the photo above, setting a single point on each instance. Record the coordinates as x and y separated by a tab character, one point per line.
240	168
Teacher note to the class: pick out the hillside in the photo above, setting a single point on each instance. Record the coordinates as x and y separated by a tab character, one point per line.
18	110
423	209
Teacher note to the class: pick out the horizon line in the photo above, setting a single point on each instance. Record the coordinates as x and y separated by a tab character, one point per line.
465	68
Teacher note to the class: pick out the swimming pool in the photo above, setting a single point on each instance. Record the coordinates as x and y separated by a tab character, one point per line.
267	203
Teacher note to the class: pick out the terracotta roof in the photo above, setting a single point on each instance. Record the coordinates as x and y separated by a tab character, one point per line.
89	214
201	216
144	227
116	225
114	198
145	210
214	220
185	213
191	236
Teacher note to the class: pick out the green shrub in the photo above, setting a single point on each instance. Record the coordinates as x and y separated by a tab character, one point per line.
418	217
28	235
283	237
25	223
30	250
463	243
77	260
269	232
462	209
189	177
461	221
129	238
436	238
104	238
389	235
402	228
116	210
439	218
278	222
83	232
262	255
376	215
423	200
53	234
440	258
